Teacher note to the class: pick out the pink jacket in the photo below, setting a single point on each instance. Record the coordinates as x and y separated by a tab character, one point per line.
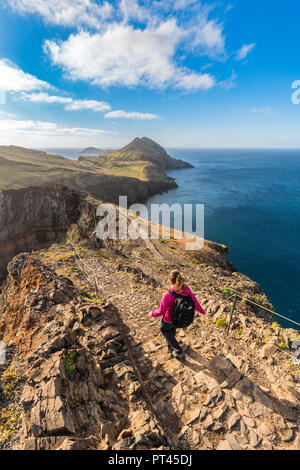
167	303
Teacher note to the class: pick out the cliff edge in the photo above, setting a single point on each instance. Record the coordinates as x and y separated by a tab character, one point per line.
86	368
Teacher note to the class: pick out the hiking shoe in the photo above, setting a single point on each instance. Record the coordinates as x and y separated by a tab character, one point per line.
179	356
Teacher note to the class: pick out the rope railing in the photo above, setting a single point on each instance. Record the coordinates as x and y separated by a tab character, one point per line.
237	297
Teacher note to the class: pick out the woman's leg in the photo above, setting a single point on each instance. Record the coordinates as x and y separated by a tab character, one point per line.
169	333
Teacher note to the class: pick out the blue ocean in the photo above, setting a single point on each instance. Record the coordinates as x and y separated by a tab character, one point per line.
252	205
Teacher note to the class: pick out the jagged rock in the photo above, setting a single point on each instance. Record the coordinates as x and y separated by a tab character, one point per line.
209	422
237	394
220	412
221	367
263	398
287	435
233	443
192	416
177	393
233	421
267	350
125	444
231	380
249	422
204	412
255	440
264	431
224	445
206	397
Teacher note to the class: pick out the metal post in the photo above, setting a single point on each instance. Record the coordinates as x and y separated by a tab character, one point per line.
232	311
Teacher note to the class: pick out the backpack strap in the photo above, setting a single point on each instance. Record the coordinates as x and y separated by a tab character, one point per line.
175	294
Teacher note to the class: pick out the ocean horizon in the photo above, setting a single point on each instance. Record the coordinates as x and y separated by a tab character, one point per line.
252	202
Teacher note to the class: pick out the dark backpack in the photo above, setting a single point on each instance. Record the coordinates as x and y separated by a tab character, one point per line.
183	310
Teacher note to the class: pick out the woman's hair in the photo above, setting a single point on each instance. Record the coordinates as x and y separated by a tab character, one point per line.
177	280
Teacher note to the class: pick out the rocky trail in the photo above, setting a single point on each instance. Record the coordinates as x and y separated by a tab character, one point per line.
124	390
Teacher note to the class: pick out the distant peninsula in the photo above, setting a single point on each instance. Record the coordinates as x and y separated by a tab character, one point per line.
136	170
94	152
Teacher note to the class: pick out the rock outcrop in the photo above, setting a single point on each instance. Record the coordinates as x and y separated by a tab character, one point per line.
145	149
87	368
33	218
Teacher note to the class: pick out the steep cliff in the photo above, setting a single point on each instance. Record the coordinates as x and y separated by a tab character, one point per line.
33	218
87	368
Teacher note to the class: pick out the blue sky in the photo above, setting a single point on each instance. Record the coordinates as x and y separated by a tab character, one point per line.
75	73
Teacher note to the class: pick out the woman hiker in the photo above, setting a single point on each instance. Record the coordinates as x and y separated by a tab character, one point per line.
167	328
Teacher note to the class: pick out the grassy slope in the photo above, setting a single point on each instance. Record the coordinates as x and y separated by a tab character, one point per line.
142	159
22	167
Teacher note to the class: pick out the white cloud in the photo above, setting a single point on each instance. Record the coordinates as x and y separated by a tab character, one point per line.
209	36
230	82
119	114
43	133
44	98
44	127
8	115
13	78
70	103
135	43
132	10
66	12
266	110
194	81
94	105
244	51
122	55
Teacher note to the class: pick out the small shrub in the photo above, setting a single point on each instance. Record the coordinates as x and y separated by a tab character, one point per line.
9	421
69	364
275	326
282	345
263	301
228	291
9	380
221	323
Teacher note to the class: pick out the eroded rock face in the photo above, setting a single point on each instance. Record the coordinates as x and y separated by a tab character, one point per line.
79	361
66	348
32	218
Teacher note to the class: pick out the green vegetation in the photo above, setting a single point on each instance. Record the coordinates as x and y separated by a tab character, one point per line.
129	169
9	422
142	159
228	291
9	381
221	323
94	301
282	345
239	331
262	300
69	364
275	326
